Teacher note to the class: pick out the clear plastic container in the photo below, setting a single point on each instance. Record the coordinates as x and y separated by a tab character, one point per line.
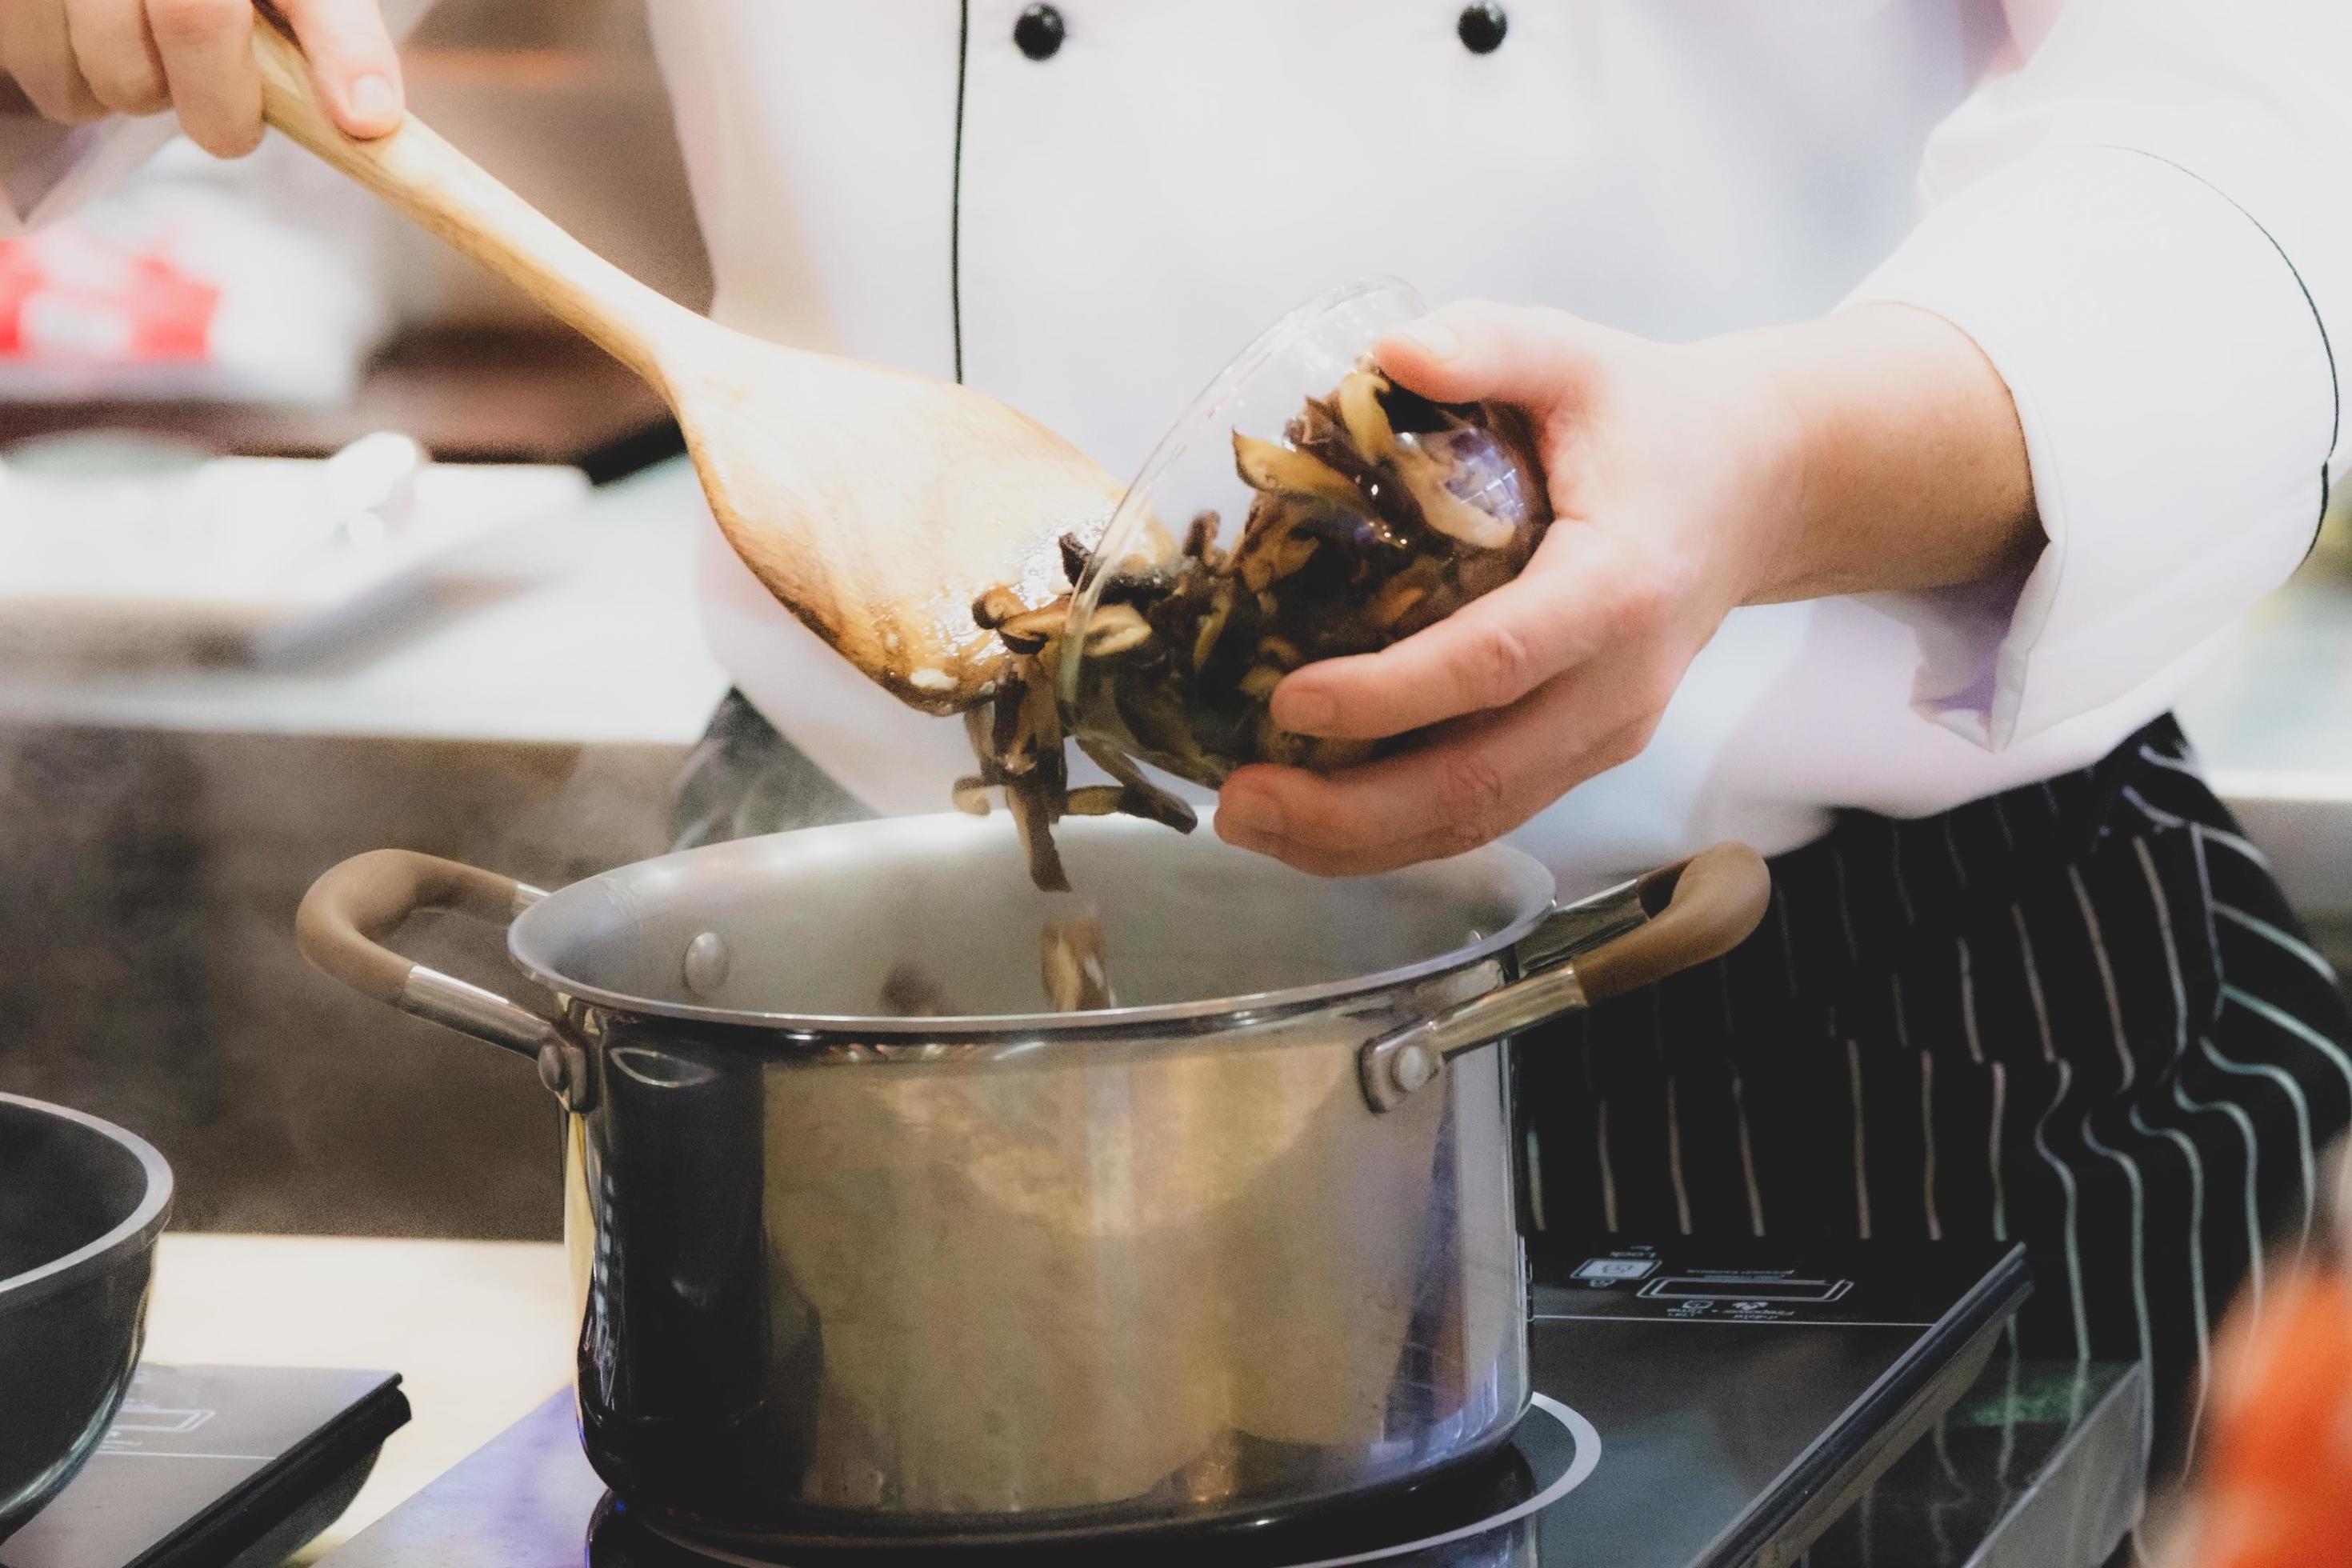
1302	508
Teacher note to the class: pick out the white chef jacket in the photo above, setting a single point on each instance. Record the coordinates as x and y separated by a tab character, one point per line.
2144	225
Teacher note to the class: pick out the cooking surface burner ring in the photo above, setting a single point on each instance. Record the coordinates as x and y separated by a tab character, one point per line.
1552	1453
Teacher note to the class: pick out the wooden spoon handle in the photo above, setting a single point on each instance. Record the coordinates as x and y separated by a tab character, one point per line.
454	197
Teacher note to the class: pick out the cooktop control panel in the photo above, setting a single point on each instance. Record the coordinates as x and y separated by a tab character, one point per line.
1738	1282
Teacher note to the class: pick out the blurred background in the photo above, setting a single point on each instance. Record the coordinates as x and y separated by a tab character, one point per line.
491	656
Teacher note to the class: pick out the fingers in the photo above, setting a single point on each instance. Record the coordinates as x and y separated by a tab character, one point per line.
77	59
207	48
1473	350
1489	654
1465	787
39	53
352	60
1587	591
117	55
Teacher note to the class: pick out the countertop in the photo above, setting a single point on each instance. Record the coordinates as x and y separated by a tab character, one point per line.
481	1333
577	627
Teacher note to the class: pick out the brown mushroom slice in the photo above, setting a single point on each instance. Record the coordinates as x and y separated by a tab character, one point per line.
1094	800
1201	540
1397	597
1367	422
1212	626
1153	803
1272	547
1141	797
970	796
1281	651
1071	965
996	606
1113	629
1425	474
1029	630
1277	559
1259	682
1035	821
1274	466
1076	554
1012	746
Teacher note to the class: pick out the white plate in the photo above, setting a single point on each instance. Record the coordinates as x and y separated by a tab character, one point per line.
116	552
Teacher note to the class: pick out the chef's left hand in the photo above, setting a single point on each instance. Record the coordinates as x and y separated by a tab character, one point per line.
1876	449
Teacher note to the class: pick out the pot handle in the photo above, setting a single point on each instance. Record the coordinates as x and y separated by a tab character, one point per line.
354	905
1682	915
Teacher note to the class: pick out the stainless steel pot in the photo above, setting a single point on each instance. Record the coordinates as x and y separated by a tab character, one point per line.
1246	1240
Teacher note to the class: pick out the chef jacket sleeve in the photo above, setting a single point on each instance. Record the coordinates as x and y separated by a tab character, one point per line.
2144	229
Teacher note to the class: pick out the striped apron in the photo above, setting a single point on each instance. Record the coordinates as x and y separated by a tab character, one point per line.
2078	1015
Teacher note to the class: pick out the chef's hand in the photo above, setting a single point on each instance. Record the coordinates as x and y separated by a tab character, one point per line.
1874	449
80	59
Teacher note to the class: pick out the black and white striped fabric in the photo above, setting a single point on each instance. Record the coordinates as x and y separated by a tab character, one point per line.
2078	1015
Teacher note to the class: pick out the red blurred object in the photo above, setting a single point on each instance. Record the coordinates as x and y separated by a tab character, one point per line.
2277	1485
66	295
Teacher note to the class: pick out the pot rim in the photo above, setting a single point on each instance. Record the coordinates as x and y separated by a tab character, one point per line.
135	1233
1527	878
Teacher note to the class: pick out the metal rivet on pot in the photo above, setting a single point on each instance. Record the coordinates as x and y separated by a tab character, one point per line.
707	960
563	1068
1412	1068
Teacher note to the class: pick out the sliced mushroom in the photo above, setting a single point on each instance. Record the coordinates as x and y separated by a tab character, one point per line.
1359	409
1280	651
1029	630
1377	513
1427	474
1201	539
1076	979
1094	800
1076	554
996	606
1400	594
1115	629
1139	797
1278	559
971	794
1034	820
1212	626
1275	466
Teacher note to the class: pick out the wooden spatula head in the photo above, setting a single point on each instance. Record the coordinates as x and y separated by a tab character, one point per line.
877	504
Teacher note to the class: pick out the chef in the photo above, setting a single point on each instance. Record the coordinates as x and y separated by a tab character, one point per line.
1926	388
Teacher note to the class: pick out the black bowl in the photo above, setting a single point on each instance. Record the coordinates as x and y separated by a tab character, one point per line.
81	1203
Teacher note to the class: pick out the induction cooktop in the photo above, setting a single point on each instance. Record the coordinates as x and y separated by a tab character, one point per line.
216	1467
1695	1405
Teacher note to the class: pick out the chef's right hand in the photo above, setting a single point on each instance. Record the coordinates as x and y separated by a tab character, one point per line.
80	59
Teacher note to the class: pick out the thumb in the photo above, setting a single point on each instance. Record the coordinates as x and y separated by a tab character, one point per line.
1472	350
352	60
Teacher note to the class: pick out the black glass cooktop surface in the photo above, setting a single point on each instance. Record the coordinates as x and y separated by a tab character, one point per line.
216	1467
1695	1405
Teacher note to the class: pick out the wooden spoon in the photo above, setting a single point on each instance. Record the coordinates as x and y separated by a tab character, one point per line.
874	503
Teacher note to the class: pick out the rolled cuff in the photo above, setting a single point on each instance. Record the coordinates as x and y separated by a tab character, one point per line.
2175	386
